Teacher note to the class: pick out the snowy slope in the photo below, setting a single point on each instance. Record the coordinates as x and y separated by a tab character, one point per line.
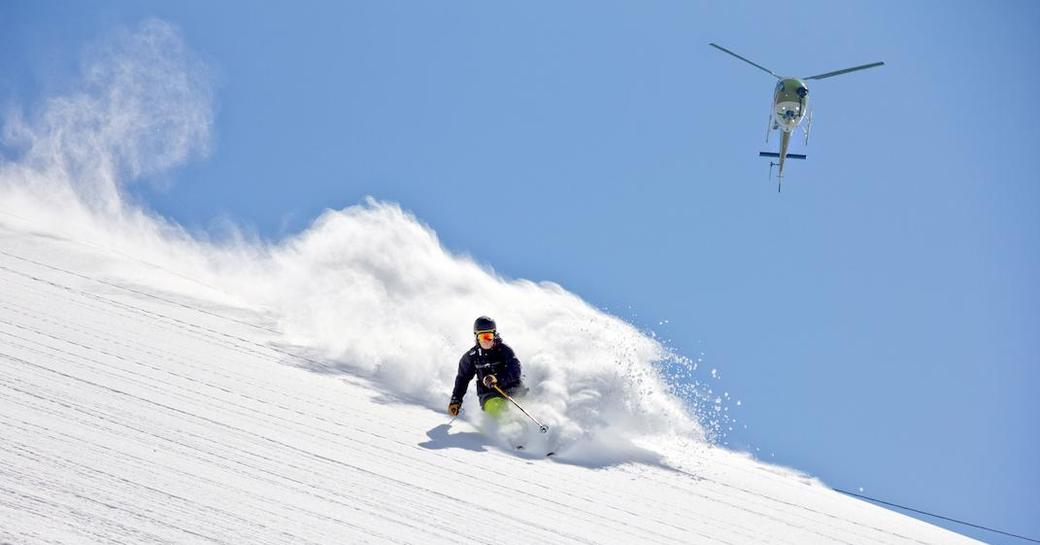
130	414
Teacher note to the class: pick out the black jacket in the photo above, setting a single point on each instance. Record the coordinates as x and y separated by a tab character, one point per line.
499	361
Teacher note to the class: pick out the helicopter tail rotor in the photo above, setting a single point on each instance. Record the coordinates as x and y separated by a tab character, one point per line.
779	179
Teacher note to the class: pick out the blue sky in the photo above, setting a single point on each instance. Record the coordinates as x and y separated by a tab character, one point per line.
878	319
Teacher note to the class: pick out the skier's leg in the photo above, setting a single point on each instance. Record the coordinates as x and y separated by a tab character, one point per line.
505	423
496	408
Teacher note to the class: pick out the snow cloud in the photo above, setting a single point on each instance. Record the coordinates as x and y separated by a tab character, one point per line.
145	105
369	289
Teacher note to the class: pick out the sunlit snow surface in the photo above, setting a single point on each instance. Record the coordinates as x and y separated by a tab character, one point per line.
131	414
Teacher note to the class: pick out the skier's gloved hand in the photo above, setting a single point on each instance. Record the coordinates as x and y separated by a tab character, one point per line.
453	407
490	381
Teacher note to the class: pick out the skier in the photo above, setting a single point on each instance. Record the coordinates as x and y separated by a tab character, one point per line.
493	363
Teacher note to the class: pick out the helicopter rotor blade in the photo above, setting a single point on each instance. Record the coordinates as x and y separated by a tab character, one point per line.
845	71
760	67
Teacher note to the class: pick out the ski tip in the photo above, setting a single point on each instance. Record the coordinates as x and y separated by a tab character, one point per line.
548	454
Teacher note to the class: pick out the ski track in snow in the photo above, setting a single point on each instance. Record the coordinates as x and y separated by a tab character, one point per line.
132	416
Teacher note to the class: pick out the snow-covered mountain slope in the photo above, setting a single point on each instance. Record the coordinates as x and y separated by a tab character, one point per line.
132	414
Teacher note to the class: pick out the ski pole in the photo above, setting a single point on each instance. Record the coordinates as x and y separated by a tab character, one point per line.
541	427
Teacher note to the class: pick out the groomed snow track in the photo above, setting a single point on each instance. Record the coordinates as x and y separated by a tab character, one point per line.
132	416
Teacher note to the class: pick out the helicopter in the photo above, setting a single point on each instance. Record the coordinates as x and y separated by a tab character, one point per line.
790	107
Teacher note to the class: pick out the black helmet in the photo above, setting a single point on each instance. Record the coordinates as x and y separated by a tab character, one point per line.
484	324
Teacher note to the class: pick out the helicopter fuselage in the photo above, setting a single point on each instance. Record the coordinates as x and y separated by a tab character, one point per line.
790	107
790	103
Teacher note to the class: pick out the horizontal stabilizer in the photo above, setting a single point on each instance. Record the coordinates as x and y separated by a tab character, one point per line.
777	155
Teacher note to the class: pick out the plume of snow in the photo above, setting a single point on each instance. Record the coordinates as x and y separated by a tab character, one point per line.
145	105
369	289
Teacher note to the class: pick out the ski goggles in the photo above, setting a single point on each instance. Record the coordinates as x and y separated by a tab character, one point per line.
488	335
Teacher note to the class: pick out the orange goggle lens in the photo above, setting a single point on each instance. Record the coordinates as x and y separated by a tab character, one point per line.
486	335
